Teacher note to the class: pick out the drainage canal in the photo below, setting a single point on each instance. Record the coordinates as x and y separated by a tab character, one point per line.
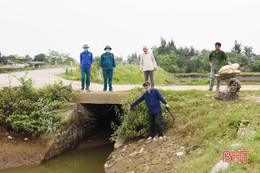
91	153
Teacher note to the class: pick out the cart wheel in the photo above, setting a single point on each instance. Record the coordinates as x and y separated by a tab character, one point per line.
234	85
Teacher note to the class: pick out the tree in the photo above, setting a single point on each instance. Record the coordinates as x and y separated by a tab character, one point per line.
243	60
40	57
163	49
237	47
61	58
163	42
28	57
256	65
133	59
11	58
248	51
119	60
171	45
3	59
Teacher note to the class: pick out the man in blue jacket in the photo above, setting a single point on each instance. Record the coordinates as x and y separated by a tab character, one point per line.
108	64
86	59
152	98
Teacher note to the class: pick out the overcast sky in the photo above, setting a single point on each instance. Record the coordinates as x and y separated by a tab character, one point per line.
35	26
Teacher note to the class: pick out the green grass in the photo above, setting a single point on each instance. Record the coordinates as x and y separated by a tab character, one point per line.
207	74
207	82
128	75
210	126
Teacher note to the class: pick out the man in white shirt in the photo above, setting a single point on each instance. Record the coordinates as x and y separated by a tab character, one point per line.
148	65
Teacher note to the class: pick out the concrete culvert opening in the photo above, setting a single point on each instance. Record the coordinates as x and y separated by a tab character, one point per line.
98	128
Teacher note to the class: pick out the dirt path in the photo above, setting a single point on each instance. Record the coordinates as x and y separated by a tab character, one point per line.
48	76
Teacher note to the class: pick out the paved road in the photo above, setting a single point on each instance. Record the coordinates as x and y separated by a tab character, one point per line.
48	76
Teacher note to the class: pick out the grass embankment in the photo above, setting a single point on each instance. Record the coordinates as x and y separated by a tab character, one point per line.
204	126
207	74
189	76
128	74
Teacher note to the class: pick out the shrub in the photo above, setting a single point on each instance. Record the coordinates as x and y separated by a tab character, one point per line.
134	123
29	110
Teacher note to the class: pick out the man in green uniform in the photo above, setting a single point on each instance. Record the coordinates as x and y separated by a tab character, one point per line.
217	59
108	64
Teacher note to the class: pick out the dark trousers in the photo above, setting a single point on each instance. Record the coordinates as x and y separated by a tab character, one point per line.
108	74
156	122
85	72
151	74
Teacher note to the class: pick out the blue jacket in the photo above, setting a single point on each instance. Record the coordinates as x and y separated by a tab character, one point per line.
86	59
107	62
152	100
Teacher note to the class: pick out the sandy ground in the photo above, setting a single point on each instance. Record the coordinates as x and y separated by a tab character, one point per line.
48	76
139	156
15	151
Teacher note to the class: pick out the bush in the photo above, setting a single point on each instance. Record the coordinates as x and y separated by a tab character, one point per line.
43	118
58	91
29	110
134	123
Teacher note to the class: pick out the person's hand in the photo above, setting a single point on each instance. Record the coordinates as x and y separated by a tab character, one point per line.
141	71
129	107
210	63
100	71
114	71
155	68
167	107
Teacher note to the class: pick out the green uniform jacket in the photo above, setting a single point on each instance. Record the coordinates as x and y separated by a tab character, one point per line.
218	59
107	61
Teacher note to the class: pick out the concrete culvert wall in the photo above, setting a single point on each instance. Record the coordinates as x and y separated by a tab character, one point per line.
83	121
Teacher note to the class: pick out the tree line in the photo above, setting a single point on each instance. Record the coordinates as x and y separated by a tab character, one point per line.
49	59
168	56
189	60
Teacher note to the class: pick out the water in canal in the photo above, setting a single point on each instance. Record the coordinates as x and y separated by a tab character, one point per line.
89	157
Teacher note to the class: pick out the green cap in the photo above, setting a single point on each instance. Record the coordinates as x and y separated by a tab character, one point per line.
108	47
85	46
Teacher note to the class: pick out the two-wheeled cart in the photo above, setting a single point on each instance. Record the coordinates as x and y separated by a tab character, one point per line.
233	86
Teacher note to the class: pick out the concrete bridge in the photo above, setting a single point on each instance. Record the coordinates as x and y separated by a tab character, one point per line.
102	97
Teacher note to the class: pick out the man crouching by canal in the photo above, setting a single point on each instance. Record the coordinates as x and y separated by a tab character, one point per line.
152	98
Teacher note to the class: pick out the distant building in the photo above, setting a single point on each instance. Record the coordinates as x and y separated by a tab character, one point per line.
37	64
24	60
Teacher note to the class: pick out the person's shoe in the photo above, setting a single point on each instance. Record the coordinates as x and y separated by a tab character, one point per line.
155	138
217	89
149	138
160	137
209	90
82	88
87	89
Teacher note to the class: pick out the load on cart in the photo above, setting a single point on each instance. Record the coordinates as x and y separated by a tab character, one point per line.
229	74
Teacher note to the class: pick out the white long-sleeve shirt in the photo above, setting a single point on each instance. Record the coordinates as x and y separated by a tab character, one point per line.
147	62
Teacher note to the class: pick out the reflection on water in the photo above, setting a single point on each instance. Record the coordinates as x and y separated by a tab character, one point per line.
80	160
